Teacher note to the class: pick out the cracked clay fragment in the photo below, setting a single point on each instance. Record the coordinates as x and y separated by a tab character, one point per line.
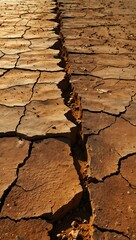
45	117
114	204
109	146
24	229
6	115
130	114
12	153
43	185
39	60
17	77
128	169
92	123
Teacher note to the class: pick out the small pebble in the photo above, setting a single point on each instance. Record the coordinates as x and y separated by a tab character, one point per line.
74	224
59	236
74	234
64	237
85	221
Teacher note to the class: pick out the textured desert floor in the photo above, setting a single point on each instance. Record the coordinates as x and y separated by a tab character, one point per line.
67	120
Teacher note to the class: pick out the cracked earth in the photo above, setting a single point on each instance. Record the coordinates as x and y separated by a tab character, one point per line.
67	120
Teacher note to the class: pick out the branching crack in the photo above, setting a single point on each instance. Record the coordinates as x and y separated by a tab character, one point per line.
131	101
5	71
101	130
117	172
117	115
32	189
110	230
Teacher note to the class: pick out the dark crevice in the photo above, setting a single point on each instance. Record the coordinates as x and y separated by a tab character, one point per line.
101	111
93	26
42	137
100	53
101	78
78	149
43	217
24	112
56	45
35	70
8	134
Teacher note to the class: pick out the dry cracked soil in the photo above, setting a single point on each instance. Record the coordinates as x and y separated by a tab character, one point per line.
67	120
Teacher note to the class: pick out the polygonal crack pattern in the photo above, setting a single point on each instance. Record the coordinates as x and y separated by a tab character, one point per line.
36	162
39	182
99	38
44	182
31	66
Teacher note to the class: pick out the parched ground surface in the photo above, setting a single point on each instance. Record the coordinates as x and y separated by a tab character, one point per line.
67	119
100	38
38	180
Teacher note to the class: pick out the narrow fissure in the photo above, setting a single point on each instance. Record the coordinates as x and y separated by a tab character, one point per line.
78	219
111	231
